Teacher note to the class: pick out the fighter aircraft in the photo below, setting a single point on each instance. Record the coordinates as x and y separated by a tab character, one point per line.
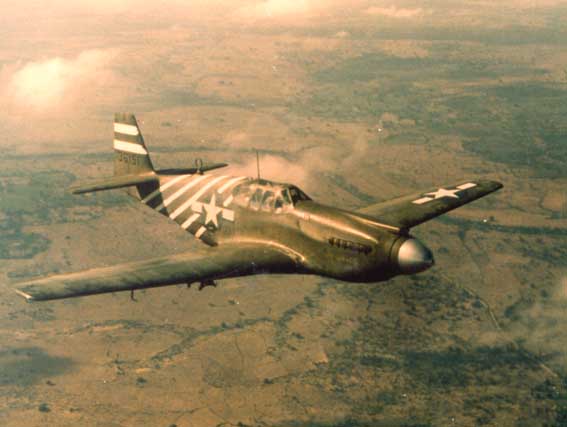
255	226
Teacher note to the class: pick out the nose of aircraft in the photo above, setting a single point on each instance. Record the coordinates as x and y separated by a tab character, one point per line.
414	257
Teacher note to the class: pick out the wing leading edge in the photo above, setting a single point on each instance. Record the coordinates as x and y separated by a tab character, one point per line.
215	263
408	211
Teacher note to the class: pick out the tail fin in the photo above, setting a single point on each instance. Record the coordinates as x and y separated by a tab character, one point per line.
131	156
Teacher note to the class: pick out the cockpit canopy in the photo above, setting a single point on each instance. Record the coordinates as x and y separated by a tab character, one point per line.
268	196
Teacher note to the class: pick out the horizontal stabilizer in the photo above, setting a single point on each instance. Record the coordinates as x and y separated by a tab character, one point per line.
111	183
190	171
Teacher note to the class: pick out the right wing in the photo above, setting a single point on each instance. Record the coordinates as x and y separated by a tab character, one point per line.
408	211
231	260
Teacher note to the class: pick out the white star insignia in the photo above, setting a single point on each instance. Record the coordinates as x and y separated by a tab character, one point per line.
441	192
212	211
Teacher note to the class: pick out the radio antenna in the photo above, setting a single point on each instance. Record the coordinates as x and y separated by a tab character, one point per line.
258	164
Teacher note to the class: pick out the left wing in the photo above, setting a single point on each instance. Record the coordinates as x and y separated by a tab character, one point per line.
409	211
231	260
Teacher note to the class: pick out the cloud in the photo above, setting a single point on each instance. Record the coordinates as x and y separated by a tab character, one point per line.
55	7
153	11
300	167
287	9
317	8
274	8
283	7
394	12
540	327
273	168
55	83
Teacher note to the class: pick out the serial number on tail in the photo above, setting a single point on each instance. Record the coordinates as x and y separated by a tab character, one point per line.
131	159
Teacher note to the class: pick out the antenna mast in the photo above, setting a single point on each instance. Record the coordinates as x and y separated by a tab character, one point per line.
258	163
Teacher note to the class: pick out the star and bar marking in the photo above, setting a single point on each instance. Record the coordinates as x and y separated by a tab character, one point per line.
443	192
212	211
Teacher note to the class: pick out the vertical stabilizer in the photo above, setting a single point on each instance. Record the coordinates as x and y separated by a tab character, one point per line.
131	156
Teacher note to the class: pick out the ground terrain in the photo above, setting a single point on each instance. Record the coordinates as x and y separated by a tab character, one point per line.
354	108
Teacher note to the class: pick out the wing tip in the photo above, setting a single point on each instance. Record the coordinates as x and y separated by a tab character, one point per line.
496	185
489	184
28	297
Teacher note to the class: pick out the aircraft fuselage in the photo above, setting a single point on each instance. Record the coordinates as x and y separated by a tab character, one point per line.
324	240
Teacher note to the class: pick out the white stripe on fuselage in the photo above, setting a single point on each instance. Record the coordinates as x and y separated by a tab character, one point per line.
185	188
200	232
163	187
196	196
227	184
190	221
129	147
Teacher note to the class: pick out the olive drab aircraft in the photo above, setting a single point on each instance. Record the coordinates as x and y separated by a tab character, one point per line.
254	226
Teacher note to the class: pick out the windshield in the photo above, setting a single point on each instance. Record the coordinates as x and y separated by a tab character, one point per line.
297	195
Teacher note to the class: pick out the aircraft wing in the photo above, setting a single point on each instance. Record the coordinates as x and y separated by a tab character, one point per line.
215	263
409	211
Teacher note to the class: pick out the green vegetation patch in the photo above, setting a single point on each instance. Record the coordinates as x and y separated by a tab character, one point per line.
40	198
455	367
379	66
27	365
515	35
43	197
20	245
